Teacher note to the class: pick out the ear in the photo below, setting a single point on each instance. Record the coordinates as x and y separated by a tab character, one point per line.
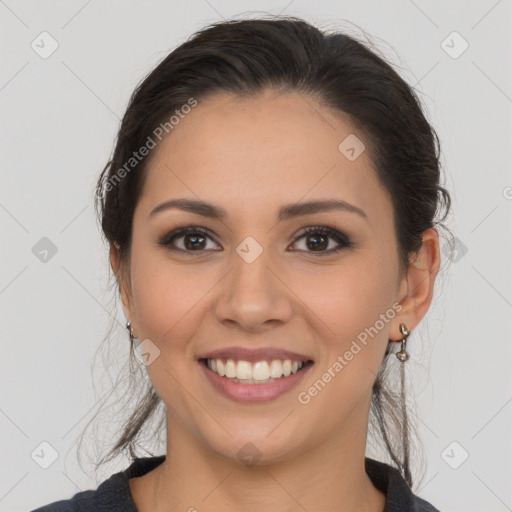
122	281
417	285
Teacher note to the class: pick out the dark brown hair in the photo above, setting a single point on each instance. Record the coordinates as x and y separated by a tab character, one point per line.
247	57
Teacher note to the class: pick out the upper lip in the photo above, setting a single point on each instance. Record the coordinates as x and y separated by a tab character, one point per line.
253	355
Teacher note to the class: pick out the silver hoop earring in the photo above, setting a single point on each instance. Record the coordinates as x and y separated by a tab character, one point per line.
130	330
403	355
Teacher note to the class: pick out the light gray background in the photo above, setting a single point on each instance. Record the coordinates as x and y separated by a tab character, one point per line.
59	119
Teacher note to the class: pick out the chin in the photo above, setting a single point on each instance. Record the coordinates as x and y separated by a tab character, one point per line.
262	444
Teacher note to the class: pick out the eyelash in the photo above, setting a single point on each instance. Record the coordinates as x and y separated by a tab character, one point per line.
343	240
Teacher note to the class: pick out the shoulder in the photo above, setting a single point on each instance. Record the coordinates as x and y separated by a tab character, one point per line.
399	496
424	506
112	495
85	500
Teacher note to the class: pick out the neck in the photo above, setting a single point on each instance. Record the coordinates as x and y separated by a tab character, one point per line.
192	478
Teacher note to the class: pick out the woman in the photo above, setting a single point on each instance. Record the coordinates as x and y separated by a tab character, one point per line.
270	209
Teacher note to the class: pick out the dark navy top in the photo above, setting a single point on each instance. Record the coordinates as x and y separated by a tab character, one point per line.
113	495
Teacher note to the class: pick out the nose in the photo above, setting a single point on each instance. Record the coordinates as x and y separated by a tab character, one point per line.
254	296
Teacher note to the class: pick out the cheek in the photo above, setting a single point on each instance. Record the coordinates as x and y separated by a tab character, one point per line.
354	302
170	301
352	313
168	297
350	296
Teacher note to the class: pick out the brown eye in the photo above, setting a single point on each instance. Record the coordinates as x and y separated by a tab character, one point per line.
325	240
317	242
193	242
189	239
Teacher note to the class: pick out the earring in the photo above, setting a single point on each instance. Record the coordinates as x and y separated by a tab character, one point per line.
130	330
403	355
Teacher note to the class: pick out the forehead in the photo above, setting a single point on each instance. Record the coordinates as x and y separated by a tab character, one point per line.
260	150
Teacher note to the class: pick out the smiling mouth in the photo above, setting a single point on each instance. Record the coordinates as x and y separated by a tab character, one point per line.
259	372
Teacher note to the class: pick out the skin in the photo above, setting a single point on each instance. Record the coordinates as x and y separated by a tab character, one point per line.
251	156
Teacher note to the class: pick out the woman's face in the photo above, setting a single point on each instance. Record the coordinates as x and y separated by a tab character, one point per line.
252	285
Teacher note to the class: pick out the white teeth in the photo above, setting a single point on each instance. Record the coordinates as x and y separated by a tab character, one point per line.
230	369
243	370
276	369
258	372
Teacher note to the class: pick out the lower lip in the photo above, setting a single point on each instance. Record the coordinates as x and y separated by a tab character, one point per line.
254	392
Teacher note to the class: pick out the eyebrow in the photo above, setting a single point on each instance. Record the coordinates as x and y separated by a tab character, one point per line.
287	211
